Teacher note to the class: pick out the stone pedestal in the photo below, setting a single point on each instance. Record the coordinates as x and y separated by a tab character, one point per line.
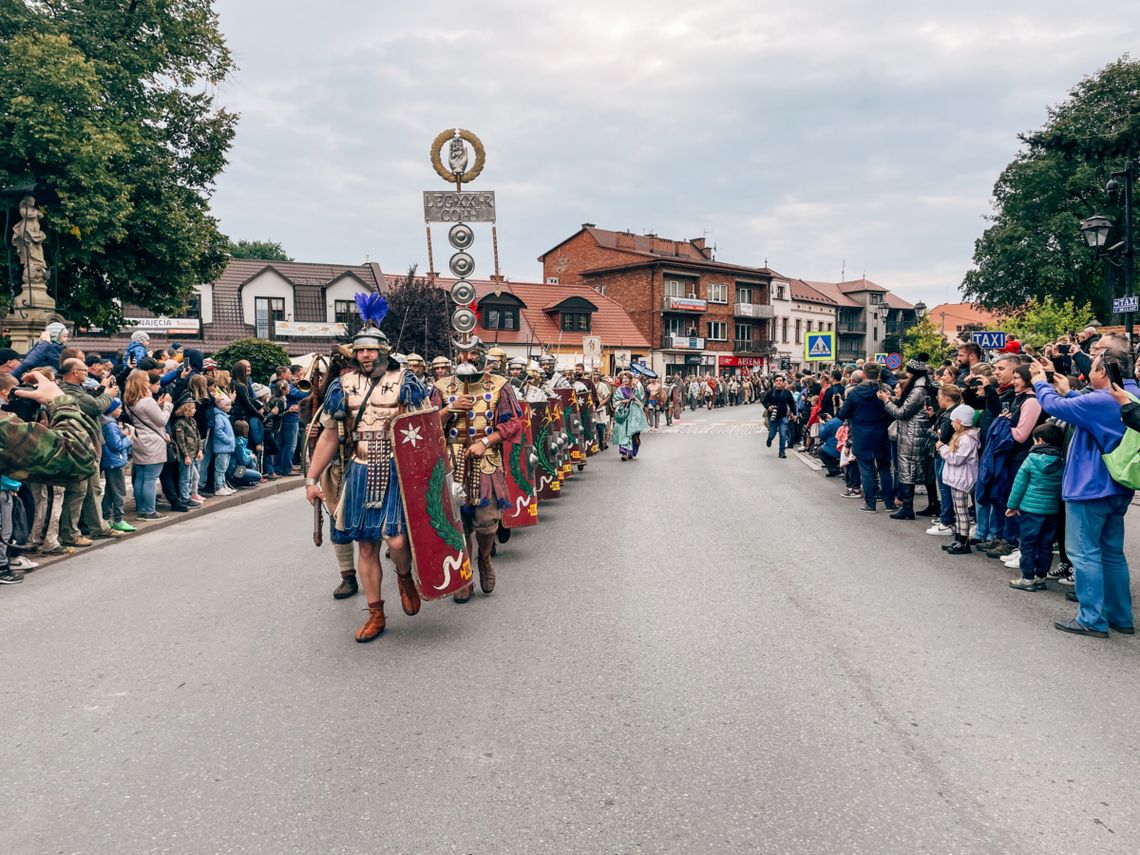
33	310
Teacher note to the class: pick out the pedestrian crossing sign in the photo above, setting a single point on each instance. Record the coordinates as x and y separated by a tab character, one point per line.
881	358
819	347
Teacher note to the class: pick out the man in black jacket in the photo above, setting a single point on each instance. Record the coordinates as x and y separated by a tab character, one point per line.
780	404
868	420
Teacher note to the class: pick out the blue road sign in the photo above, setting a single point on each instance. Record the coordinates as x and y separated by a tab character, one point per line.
881	358
894	361
1124	305
819	347
988	340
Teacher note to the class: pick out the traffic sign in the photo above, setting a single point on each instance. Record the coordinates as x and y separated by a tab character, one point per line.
819	347
894	361
1124	305
881	358
988	340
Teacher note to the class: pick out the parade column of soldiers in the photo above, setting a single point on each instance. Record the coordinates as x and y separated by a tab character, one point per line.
482	403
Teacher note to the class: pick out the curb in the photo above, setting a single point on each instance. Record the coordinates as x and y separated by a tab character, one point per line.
242	497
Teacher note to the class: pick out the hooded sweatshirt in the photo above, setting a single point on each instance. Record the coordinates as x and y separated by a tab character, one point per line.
1037	486
1097	430
961	469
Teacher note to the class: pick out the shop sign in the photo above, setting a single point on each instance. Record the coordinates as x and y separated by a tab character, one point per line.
310	329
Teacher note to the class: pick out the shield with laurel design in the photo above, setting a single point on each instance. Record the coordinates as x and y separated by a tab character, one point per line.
440	563
544	425
520	474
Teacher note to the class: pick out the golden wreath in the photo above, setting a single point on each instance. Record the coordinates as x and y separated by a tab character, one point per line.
437	162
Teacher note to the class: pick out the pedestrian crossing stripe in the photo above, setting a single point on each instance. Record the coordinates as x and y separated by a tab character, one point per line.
819	347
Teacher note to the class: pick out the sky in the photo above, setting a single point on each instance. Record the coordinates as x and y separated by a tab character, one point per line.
824	137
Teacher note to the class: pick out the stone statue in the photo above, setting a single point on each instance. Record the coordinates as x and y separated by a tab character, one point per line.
28	238
457	155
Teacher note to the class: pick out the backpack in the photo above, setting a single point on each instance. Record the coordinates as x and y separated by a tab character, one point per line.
1123	462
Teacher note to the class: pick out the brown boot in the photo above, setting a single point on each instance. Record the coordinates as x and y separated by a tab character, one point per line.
409	596
486	573
464	594
373	626
347	586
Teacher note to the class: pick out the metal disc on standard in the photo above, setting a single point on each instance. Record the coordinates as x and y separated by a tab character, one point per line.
463	320
462	264
461	236
463	293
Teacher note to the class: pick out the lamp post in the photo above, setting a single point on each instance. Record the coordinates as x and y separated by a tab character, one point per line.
1097	227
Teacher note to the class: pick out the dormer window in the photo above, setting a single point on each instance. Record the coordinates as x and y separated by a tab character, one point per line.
576	321
574	314
501	318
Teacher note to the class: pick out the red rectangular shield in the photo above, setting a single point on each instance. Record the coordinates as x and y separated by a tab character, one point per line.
440	564
520	477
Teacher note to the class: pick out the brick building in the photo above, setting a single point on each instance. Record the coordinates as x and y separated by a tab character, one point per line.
699	314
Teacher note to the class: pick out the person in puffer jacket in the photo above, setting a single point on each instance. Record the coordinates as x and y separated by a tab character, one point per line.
960	474
1036	499
136	350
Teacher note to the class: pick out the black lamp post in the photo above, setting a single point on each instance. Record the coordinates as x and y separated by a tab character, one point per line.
1097	227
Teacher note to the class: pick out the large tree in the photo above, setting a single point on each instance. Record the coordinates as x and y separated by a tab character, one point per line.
111	103
419	318
266	250
1033	247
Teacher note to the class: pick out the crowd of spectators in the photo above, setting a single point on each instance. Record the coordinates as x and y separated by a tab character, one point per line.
77	427
1021	458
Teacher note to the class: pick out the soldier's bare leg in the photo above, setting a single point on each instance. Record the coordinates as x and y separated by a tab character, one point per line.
368	566
400	550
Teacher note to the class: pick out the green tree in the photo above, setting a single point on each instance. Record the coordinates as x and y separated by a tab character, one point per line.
419	317
1041	322
264	357
1033	247
925	337
268	250
110	102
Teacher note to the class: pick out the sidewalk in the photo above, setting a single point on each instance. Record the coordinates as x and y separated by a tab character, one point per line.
241	497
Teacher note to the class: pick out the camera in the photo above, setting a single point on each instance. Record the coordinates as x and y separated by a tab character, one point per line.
974	382
1063	349
24	409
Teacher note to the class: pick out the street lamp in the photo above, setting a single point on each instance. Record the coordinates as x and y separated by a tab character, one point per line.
920	310
1097	227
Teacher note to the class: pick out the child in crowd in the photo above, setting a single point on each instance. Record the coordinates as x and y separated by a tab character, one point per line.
243	472
1036	499
274	413
188	446
117	445
960	473
949	397
203	417
223	444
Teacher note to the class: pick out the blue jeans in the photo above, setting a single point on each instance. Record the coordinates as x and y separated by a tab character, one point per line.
783	427
187	473
985	530
144	481
944	497
290	427
204	463
867	471
1037	531
221	464
1095	535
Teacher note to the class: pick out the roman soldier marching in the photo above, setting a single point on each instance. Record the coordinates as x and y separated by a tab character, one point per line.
440	368
516	376
553	379
418	366
479	411
359	405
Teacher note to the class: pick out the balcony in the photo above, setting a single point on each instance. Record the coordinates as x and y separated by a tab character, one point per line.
752	310
681	342
755	346
846	355
851	327
684	304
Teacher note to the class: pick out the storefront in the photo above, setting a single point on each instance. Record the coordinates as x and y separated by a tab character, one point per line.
738	365
688	364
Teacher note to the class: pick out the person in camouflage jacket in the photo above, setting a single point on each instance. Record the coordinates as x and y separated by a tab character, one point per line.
63	451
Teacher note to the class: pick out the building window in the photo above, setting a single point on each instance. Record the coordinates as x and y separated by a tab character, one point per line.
799	334
784	336
876	330
675	325
266	310
309	304
876	297
744	332
193	306
718	330
576	321
501	318
809	325
743	294
343	311
680	288
551	280
780	295
718	292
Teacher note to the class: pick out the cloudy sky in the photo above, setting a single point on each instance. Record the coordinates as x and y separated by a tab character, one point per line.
812	135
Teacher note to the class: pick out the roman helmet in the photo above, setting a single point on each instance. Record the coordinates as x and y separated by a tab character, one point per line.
471	371
497	360
438	363
416	362
373	308
547	363
519	364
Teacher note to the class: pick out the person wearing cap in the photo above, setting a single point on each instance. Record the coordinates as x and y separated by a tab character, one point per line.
46	351
9	360
83	502
479	411
960	473
360	404
418	366
136	350
113	463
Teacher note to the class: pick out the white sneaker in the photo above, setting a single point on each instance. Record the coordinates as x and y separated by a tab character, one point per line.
23	563
939	530
1013	559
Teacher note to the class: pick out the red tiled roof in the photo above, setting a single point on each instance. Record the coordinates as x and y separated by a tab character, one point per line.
538	326
959	315
831	289
801	290
854	286
896	302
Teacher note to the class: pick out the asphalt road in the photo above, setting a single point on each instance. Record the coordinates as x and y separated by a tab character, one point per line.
706	650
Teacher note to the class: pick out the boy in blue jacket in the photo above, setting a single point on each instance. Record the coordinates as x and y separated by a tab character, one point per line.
117	446
1095	504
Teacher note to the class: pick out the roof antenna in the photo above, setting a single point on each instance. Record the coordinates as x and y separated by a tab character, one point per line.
843	271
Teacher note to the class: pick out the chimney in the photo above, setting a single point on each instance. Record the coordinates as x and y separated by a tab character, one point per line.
588	226
625	240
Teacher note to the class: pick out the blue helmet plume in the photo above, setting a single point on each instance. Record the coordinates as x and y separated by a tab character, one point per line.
373	307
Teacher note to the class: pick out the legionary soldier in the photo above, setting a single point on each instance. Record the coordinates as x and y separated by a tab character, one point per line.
497	361
418	366
554	379
370	510
516	376
478	411
440	368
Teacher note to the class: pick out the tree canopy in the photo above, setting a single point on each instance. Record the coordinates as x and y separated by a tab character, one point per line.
111	103
1042	322
924	337
269	250
419	318
1033	247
